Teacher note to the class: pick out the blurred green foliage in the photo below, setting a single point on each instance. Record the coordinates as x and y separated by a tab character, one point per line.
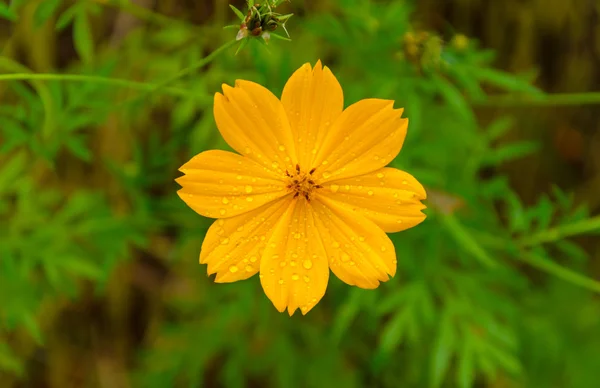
489	292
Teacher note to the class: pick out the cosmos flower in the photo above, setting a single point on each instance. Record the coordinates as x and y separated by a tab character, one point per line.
307	190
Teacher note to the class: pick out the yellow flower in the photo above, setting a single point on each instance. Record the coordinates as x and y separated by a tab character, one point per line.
308	190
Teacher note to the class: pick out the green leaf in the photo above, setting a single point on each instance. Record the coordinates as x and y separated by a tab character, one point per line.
80	266
499	127
32	327
8	361
454	98
7	13
76	144
465	374
82	37
506	81
511	152
67	17
239	13
11	169
44	11
280	37
466	241
442	351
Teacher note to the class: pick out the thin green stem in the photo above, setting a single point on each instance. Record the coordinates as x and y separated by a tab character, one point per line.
203	62
562	231
561	272
590	98
143	86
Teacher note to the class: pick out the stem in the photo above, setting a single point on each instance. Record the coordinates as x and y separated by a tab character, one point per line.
204	61
560	232
590	98
145	86
561	272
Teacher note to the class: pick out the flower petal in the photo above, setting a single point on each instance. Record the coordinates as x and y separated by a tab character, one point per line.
233	247
294	270
221	184
366	137
359	252
389	197
313	100
254	123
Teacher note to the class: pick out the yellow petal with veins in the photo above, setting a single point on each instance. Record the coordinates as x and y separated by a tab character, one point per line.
220	184
389	197
294	270
366	137
253	122
233	247
359	252
313	100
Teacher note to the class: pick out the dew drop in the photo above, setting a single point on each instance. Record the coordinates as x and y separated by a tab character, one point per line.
249	199
383	248
225	241
345	257
233	269
347	187
404	182
281	148
239	177
380	175
326	174
274	164
351	263
248	189
307	264
253	259
249	268
297	236
280	281
370	193
335	188
361	238
295	276
293	263
399	221
282	264
306	279
314	151
335	244
225	201
240	228
222	211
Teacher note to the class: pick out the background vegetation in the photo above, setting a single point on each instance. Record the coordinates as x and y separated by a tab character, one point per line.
101	101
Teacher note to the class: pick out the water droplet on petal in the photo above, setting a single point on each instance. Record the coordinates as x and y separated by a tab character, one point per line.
399	221
225	241
248	189
404	182
281	148
222	211
225	201
335	188
326	174
297	236
280	281
253	259
370	193
239	177
345	257
295	276
335	244
282	264
240	228
383	248
233	269
361	238
293	263
249	199
249	268
306	279
307	264
380	175
274	164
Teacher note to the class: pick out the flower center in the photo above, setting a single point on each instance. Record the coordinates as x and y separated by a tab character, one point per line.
301	183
